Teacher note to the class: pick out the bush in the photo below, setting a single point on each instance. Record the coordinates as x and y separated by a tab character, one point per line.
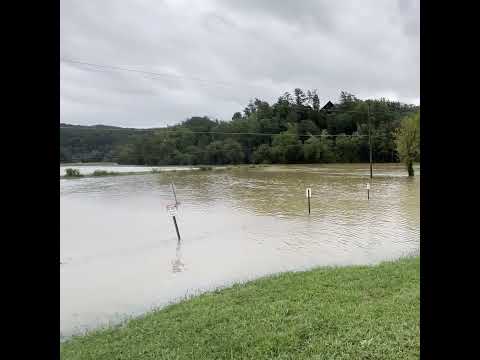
72	172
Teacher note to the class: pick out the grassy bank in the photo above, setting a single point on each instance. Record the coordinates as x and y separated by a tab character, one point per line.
361	312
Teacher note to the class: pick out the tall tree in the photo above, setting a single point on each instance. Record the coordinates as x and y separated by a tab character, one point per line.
407	140
300	96
315	102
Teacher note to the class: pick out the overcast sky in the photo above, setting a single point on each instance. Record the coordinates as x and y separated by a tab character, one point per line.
212	57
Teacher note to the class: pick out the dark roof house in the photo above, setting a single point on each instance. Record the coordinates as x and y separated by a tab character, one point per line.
328	106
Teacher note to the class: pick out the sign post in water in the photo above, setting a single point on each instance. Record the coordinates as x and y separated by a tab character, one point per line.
308	194
172	209
174	193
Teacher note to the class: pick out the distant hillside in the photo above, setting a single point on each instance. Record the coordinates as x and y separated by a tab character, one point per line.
295	129
90	126
97	143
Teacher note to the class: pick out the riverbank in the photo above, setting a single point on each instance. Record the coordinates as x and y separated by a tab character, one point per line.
355	312
102	173
107	173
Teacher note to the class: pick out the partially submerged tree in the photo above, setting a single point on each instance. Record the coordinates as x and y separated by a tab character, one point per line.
407	140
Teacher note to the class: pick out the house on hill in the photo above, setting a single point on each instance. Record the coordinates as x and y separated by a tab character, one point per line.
328	106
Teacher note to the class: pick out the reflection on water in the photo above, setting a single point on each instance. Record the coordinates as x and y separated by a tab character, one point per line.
177	264
120	255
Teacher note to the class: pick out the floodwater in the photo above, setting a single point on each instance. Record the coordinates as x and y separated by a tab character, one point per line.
90	169
119	251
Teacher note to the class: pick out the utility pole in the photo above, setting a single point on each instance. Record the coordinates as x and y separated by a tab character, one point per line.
370	139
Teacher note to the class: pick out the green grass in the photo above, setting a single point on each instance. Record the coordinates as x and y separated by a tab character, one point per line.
360	312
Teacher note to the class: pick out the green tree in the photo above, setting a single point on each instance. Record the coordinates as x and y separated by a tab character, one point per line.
286	148
65	155
128	154
300	96
407	140
306	127
214	153
346	148
262	154
311	150
315	102
232	151
318	149
296	116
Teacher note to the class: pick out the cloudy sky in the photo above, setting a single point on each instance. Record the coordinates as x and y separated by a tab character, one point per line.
210	57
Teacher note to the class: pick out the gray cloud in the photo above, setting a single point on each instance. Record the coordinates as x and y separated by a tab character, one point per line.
240	49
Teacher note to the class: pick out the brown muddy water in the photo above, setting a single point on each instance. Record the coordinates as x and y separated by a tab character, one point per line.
120	255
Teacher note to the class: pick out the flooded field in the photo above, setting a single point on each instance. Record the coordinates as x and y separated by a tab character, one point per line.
90	169
120	255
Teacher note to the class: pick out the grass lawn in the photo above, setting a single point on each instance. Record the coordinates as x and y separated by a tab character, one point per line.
359	312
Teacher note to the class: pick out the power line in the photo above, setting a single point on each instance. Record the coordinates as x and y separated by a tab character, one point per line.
371	112
166	130
155	74
221	83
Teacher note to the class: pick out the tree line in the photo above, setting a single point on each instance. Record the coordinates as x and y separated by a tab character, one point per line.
294	129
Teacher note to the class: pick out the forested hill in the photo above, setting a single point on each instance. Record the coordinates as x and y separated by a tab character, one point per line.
295	129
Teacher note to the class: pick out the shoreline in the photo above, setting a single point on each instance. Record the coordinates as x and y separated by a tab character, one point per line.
103	173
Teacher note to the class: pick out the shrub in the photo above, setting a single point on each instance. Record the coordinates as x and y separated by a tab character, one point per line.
72	172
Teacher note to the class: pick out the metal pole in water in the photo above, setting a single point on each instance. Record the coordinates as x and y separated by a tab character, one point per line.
368	191
174	194
172	209
308	206
176	227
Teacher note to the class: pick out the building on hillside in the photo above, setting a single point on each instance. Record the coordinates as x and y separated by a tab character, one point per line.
328	106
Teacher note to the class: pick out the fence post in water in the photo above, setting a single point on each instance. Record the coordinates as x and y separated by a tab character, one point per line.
308	193
172	209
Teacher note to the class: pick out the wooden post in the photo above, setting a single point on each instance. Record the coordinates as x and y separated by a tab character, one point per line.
308	193
368	191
